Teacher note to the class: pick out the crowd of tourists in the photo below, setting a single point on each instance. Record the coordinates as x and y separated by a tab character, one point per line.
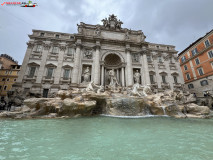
4	105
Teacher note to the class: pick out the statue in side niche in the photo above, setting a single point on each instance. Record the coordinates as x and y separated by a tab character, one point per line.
137	76
86	75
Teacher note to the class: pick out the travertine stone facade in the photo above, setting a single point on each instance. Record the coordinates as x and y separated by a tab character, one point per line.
56	61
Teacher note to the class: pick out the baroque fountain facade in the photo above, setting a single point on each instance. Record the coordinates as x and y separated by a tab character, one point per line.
103	69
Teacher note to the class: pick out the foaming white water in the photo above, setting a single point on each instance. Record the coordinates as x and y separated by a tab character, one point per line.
146	116
164	111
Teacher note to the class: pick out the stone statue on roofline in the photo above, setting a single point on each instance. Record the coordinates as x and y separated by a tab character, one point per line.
112	22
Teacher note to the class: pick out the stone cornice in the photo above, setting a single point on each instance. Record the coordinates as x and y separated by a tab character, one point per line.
97	47
79	36
78	45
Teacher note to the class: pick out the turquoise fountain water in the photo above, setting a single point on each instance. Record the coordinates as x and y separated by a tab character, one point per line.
105	138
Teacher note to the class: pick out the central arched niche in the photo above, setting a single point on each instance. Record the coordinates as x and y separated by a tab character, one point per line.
112	60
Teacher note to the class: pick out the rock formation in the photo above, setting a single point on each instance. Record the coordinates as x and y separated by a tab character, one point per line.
87	102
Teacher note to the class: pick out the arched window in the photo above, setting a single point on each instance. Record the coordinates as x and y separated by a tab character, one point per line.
204	83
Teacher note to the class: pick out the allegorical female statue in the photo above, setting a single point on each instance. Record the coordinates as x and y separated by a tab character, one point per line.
86	75
137	76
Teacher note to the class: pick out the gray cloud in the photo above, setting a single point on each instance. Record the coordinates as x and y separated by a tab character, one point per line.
175	22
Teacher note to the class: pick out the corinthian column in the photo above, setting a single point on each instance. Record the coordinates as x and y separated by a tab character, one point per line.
97	64
122	76
77	59
102	75
129	75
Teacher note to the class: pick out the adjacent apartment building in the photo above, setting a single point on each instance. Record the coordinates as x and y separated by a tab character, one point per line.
8	73
196	63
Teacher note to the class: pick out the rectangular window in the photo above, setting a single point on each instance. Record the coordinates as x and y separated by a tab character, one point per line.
70	51
200	71
210	53
163	78
49	73
190	86
0	87
152	79
42	34
56	36
185	67
32	72
38	48
188	76
14	80
55	49
159	59
207	43
212	64
3	79
194	51
197	61
66	74
175	79
5	87
183	59
6	72
8	79
148	58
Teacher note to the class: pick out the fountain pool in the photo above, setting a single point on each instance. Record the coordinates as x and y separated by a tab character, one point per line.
106	138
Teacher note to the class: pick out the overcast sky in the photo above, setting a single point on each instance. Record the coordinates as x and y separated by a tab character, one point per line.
174	22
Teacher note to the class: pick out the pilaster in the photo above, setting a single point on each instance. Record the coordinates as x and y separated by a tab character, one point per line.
43	63
129	76
58	72
146	69
96	63
77	59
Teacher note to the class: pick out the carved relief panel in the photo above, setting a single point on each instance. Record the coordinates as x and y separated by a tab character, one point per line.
136	58
88	54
